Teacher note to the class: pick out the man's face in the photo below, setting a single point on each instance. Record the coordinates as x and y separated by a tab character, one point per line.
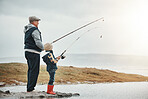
35	23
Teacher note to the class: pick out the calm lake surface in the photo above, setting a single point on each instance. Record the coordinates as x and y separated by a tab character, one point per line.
120	63
128	90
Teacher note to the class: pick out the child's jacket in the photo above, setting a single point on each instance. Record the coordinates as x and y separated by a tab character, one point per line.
50	61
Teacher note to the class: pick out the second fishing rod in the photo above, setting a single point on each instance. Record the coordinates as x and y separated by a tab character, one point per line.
62	55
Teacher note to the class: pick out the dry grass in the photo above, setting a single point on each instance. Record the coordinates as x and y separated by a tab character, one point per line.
18	71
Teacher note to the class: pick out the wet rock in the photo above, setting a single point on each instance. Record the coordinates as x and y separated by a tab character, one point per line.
76	94
36	94
2	84
59	94
5	94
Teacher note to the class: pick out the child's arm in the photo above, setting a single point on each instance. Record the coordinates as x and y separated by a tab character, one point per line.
58	58
52	59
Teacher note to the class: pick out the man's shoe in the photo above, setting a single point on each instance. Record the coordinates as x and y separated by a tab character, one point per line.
33	91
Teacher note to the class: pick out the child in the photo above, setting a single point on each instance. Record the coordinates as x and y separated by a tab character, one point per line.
50	61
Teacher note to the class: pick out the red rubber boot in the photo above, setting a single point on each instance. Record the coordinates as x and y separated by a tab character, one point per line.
50	89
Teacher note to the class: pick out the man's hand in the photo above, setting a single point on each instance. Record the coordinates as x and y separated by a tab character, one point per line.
58	57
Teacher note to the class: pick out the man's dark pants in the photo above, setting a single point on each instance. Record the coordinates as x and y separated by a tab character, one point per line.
33	61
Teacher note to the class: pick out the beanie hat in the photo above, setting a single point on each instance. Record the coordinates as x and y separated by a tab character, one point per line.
48	47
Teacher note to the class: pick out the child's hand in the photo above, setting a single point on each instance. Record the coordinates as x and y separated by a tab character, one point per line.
58	57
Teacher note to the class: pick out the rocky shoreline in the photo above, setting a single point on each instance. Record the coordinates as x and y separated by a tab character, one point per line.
36	94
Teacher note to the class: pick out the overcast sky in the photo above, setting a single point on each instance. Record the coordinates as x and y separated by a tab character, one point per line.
124	31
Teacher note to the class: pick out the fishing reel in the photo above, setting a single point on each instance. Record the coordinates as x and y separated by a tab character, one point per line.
62	57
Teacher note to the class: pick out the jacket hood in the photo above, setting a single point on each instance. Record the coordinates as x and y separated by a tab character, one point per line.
27	27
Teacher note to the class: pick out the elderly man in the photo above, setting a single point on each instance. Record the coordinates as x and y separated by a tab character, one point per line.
33	47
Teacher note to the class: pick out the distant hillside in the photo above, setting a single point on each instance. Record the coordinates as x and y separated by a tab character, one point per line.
14	73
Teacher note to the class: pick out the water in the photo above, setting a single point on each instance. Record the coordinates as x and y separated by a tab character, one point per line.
128	90
120	63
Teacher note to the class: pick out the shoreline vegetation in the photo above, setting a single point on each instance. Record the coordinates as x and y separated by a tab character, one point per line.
16	74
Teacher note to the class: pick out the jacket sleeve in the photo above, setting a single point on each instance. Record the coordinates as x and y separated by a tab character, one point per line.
52	59
37	39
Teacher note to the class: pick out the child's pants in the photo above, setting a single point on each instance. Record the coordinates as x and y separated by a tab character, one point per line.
52	76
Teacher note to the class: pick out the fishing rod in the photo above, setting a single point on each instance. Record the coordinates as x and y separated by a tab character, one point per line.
77	29
62	57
